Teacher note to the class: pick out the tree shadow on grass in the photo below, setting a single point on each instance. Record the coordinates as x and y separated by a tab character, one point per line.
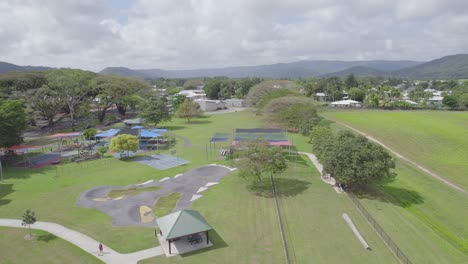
298	159
172	128
198	122
5	189
46	238
389	194
284	187
215	239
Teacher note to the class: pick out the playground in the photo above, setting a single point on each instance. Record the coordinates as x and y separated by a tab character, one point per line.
133	210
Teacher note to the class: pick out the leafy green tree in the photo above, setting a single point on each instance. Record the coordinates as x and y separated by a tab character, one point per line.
322	139
355	162
464	100
102	151
71	86
124	142
351	82
90	133
188	109
13	121
450	101
356	94
177	100
155	111
29	218
47	103
110	90
292	113
259	159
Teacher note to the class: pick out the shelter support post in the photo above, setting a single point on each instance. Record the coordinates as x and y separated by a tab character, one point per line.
207	237
170	247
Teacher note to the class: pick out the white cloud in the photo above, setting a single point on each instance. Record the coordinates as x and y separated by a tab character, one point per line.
208	33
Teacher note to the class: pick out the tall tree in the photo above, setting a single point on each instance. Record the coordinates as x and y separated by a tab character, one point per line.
110	90
155	111
13	121
351	81
354	161
72	87
258	159
356	94
450	101
47	103
188	109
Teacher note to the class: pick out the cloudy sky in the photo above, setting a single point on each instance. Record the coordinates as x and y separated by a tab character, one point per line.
186	34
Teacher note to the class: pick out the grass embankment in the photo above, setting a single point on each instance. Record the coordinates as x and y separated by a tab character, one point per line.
131	191
423	216
43	248
164	205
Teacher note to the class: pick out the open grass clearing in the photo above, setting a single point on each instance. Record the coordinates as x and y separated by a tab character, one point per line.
131	191
424	217
437	140
43	248
164	205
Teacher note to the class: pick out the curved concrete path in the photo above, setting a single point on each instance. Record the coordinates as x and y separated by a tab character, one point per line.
88	244
427	171
319	166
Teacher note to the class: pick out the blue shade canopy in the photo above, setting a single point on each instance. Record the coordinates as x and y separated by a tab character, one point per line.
136	127
146	133
159	130
108	133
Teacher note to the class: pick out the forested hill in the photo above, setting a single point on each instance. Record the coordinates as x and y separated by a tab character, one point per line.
298	69
448	67
360	71
9	67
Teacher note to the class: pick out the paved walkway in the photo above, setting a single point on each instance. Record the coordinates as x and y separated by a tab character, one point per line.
430	173
88	244
330	180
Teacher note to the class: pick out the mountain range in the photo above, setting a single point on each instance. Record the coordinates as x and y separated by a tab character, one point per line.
448	67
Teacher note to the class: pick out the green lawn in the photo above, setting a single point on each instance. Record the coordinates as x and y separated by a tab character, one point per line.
423	216
44	248
247	227
164	205
437	140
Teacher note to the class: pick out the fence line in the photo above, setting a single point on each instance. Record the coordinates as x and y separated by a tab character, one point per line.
386	238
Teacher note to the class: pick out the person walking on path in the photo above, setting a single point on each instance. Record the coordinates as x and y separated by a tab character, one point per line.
101	249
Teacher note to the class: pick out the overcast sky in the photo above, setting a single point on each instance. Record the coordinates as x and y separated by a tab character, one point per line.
183	34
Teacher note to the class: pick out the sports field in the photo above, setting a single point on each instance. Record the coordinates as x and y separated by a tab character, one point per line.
437	140
247	227
420	213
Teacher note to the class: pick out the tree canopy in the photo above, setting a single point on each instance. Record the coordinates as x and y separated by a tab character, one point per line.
13	121
188	109
258	159
351	159
155	110
124	142
71	86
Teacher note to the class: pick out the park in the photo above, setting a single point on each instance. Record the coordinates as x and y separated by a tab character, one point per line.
286	179
310	227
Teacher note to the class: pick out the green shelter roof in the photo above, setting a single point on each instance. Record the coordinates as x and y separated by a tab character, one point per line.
182	223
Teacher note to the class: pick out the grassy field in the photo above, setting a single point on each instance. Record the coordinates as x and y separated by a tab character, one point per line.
44	248
418	212
164	205
437	140
247	228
